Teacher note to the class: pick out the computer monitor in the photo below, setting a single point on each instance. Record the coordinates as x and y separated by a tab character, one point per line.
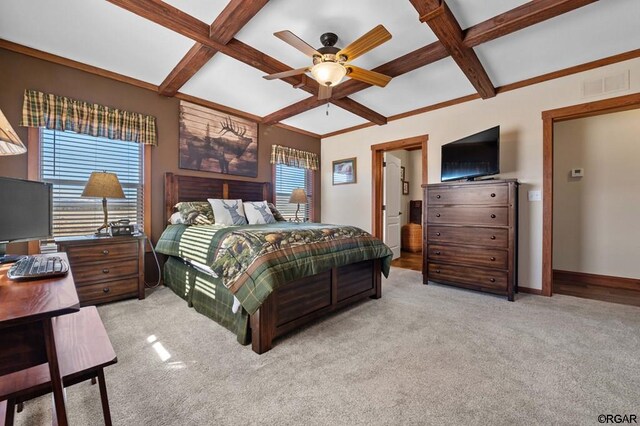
25	212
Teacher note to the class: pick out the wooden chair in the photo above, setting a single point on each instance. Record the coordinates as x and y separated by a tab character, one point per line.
84	349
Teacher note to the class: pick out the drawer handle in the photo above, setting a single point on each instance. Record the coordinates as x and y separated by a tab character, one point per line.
492	258
493	216
437	271
438	197
437	214
105	271
438	253
437	234
493	195
105	252
493	280
106	290
493	237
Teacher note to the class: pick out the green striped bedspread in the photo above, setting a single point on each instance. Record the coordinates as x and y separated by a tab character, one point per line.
253	260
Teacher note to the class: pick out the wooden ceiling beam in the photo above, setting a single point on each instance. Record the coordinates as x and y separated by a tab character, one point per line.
444	25
231	20
521	17
174	19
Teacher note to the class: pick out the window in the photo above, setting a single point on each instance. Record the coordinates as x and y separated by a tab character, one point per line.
67	160
287	179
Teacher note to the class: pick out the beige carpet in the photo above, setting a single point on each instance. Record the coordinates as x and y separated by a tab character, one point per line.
420	355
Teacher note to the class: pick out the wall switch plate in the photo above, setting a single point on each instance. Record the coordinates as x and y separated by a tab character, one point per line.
577	172
535	196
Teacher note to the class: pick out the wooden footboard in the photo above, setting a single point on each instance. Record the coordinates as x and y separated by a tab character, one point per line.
304	300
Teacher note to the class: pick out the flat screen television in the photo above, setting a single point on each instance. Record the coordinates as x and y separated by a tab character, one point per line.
471	157
25	211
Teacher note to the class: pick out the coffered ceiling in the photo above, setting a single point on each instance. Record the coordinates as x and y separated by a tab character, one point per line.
458	50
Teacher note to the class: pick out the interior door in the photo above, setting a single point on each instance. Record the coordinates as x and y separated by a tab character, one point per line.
392	197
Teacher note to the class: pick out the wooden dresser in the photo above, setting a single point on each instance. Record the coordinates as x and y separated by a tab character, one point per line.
470	235
106	268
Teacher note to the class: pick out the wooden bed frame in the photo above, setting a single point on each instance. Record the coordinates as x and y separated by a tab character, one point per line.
295	303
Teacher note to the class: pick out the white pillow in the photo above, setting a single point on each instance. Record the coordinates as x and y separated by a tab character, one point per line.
258	212
176	219
228	212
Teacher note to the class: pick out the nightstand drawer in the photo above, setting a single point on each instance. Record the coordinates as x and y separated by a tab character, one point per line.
81	253
104	271
101	293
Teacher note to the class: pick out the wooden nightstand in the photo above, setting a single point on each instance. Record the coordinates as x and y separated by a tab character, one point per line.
106	268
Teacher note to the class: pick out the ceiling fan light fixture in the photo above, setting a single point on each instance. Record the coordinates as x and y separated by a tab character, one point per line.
328	73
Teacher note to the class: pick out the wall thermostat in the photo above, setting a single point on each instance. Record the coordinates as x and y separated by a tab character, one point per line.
577	172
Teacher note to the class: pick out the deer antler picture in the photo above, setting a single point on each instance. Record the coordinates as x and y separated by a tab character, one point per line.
216	142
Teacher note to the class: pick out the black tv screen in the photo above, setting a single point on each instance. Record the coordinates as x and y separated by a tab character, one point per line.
474	156
25	209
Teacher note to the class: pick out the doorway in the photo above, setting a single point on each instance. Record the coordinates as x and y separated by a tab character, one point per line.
416	147
622	103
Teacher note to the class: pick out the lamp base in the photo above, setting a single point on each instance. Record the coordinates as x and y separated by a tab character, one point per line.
106	232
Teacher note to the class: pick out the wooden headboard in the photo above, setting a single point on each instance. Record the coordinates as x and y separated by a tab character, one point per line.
179	188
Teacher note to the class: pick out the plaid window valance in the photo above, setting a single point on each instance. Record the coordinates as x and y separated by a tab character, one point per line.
294	157
61	113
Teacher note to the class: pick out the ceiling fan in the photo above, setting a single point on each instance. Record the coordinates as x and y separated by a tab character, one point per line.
330	64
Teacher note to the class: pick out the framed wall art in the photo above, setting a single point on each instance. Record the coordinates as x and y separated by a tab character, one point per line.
213	141
405	187
344	171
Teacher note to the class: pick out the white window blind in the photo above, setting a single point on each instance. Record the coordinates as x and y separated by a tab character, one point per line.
67	160
287	179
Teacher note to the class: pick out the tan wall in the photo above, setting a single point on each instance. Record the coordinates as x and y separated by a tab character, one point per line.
415	175
19	72
595	218
403	155
518	112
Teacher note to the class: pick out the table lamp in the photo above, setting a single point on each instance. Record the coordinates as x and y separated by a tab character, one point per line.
300	197
10	143
103	185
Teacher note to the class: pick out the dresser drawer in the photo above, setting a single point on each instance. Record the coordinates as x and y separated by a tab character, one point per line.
496	216
473	194
492	258
489	237
81	253
105	292
104	271
478	277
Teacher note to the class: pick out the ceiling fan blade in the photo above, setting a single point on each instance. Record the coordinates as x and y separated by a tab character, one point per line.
370	40
284	74
324	92
295	41
367	76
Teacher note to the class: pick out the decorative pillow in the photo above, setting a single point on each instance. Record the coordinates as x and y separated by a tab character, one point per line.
228	212
176	219
276	213
258	212
195	213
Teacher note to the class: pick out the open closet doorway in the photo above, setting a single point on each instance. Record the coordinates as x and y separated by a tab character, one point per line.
398	187
591	202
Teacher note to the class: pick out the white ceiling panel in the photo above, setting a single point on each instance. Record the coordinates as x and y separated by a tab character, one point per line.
437	82
317	120
592	32
229	82
205	10
472	12
94	32
348	19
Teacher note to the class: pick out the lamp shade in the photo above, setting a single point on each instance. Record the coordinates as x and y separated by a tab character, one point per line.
103	185
328	73
298	196
10	143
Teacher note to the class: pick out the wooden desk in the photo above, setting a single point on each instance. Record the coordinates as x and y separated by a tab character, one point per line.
26	331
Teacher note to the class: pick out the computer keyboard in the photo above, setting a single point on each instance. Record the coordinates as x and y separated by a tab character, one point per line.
38	267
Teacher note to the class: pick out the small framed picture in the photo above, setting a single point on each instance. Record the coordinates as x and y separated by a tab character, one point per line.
405	187
344	171
402	173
